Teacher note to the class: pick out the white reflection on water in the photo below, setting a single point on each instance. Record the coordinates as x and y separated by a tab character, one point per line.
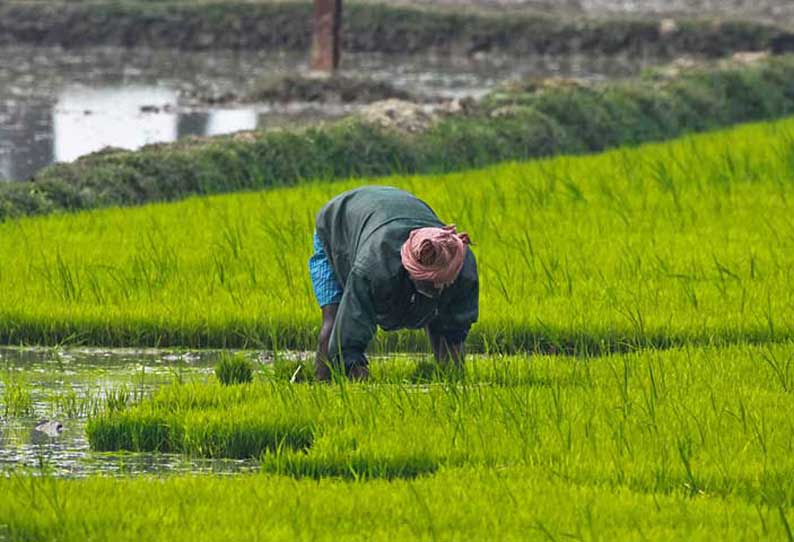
88	119
5	164
224	121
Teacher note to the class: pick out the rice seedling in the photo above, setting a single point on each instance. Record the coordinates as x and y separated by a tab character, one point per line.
661	245
705	418
71	404
686	246
686	443
234	369
17	399
483	504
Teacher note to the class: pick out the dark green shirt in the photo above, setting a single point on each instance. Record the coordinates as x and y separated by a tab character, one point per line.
362	232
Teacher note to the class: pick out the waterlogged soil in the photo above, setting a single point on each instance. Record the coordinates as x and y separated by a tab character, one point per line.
57	105
67	385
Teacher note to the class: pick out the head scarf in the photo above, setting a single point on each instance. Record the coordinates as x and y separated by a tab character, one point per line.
435	254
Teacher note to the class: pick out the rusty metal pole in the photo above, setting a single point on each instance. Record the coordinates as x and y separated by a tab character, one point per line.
327	25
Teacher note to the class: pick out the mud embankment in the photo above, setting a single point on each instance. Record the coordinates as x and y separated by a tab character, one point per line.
374	28
525	120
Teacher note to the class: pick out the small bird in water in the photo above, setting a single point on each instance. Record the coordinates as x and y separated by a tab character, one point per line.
51	428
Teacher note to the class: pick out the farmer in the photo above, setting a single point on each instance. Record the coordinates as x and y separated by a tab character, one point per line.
383	257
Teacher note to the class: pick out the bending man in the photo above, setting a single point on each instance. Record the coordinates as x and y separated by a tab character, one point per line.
383	258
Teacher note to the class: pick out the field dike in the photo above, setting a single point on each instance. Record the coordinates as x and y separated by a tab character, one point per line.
369	28
529	120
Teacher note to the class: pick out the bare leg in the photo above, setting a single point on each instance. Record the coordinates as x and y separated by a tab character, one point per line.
322	363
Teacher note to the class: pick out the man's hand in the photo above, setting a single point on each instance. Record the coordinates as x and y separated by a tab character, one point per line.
445	351
321	364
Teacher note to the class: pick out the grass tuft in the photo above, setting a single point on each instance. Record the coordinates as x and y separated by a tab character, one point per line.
234	369
17	397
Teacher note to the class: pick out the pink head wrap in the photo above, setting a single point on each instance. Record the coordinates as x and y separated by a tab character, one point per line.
435	254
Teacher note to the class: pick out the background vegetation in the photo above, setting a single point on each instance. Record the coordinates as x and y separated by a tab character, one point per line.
527	120
371	27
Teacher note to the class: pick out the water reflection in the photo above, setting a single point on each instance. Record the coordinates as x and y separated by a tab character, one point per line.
87	375
26	138
5	164
84	120
88	119
224	121
56	105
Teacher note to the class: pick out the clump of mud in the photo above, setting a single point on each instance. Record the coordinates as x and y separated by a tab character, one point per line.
413	117
399	115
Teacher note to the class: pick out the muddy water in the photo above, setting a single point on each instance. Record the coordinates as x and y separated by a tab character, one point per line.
67	385
57	105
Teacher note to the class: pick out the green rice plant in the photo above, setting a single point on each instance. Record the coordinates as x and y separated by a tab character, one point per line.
234	369
121	397
684	443
481	504
354	466
658	246
202	421
71	404
17	398
707	419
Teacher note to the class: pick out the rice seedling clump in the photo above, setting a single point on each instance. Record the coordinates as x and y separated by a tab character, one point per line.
16	399
234	369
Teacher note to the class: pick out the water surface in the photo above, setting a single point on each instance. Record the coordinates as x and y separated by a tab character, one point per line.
87	376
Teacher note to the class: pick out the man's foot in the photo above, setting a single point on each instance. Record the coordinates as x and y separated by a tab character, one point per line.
358	373
322	371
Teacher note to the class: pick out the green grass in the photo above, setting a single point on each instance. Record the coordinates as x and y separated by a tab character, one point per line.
666	269
484	504
16	398
716	420
684	444
655	246
234	369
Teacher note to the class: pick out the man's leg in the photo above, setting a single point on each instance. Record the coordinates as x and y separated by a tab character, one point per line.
322	365
328	292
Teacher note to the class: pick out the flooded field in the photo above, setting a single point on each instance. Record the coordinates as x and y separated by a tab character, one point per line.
68	386
57	105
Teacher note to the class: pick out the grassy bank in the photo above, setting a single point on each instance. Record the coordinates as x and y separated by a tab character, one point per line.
512	124
660	245
367	28
685	444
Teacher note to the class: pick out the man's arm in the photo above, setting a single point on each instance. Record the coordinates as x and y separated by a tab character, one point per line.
321	362
448	332
353	325
445	350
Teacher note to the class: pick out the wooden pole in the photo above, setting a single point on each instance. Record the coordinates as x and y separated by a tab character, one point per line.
327	24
